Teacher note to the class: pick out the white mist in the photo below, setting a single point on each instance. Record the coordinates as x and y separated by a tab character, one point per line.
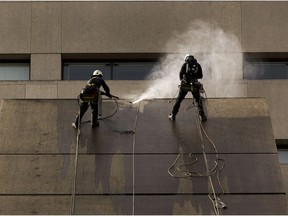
219	54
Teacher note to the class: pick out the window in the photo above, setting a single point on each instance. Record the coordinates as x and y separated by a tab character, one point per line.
14	71
111	70
132	71
83	71
265	66
282	147
283	155
266	70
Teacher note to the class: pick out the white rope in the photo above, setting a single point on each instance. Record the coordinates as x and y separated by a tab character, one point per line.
198	123
75	168
133	161
217	203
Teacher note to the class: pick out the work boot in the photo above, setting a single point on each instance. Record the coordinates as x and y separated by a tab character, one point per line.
203	118
202	115
95	124
171	117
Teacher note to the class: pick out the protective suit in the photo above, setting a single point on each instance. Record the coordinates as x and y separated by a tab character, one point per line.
89	96
189	74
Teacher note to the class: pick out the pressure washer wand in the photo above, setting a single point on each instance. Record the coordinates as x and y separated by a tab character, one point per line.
115	97
121	99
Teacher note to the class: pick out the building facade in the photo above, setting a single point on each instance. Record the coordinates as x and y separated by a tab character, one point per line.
43	41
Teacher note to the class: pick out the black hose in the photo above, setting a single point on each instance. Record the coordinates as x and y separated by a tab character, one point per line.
117	106
106	117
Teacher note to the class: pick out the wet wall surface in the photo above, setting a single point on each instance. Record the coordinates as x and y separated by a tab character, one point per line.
138	161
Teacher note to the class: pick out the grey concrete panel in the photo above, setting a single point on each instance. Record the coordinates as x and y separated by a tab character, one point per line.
276	98
37	126
145	26
201	205
35	205
15	90
264	27
46	28
234	125
284	170
69	89
114	134
41	90
155	132
104	205
250	137
36	174
15	25
104	174
242	173
45	67
227	16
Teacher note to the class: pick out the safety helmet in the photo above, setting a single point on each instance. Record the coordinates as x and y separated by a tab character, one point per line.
188	57
97	73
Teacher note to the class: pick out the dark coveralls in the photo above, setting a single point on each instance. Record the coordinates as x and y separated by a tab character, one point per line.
190	73
98	82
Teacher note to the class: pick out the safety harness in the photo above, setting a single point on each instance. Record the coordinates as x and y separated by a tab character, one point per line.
192	87
89	93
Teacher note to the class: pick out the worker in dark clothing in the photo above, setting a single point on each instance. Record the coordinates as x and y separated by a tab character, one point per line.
189	74
90	96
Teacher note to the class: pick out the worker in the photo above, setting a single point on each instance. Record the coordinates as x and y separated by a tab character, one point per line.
89	96
189	74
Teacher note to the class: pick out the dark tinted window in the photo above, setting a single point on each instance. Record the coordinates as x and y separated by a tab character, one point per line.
113	70
265	70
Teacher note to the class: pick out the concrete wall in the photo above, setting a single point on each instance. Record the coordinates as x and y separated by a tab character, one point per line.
284	170
264	27
46	31
140	27
127	26
277	99
15	25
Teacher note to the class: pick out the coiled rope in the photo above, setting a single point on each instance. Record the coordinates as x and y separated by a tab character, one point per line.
215	170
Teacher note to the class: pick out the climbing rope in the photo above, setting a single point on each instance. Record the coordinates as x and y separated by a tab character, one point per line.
72	210
219	164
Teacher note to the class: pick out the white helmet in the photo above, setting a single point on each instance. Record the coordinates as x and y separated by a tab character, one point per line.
97	73
188	56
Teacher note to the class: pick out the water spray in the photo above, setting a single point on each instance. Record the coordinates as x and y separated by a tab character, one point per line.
218	52
137	101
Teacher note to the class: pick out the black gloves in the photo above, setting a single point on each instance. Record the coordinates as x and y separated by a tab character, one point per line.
109	95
